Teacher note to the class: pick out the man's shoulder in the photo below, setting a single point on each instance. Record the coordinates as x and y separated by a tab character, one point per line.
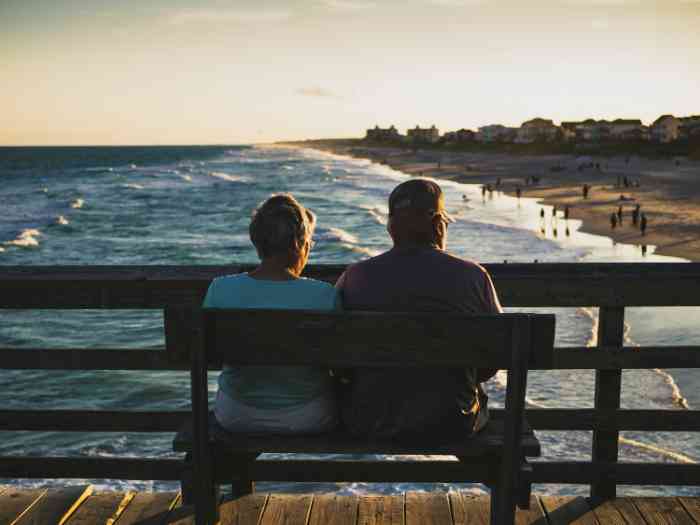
461	264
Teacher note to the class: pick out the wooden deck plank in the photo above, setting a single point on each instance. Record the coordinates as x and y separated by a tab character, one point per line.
381	510
331	508
147	507
243	511
692	507
55	506
469	509
98	508
428	508
535	515
606	512
663	511
284	509
15	502
568	510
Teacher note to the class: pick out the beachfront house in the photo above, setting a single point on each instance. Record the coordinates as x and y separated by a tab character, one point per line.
690	127
666	129
461	136
537	130
568	130
496	133
383	134
426	135
625	130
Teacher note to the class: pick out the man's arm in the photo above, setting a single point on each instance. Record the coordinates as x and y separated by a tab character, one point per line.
493	306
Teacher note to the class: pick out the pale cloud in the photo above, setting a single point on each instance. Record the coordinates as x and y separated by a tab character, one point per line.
349	5
316	91
212	16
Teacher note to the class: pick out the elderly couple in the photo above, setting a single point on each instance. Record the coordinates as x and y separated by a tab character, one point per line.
415	275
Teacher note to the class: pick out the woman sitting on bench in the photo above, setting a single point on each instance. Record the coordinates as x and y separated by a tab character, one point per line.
266	399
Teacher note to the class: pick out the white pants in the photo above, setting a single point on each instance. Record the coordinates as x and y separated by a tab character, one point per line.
320	415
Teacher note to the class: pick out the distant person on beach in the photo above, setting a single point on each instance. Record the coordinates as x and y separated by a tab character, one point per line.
613	220
635	215
619	215
417	275
585	191
518	192
541	213
566	213
276	400
643	224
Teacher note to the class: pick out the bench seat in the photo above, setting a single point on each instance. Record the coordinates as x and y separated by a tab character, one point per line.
487	442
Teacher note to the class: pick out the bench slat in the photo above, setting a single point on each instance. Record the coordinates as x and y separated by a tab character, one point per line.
352	339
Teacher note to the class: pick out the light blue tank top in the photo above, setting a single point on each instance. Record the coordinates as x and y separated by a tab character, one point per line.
268	387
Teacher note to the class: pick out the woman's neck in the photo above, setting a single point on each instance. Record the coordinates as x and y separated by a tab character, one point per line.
274	270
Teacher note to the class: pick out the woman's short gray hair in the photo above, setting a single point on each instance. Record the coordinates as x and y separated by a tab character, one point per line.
281	224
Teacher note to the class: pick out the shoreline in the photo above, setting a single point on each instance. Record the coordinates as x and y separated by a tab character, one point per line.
668	193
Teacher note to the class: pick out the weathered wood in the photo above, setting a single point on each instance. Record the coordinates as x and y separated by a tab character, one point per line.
243	511
15	502
381	510
84	359
663	511
608	386
398	339
469	509
486	442
287	510
565	510
93	420
557	284
627	419
628	510
56	506
148	508
427	508
98	508
606	512
331	508
533	516
623	473
692	507
564	358
31	467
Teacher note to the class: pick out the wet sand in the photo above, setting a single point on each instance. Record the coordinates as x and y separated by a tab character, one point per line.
668	192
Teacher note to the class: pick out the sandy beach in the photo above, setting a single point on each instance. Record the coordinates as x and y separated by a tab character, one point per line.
668	191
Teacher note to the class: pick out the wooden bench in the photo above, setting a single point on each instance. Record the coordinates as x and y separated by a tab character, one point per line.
495	457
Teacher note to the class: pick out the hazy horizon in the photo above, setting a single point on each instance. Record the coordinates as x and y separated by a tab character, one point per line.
223	72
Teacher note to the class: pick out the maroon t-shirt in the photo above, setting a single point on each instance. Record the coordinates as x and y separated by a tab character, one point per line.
393	402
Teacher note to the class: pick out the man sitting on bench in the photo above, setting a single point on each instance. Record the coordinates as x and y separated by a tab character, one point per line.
416	275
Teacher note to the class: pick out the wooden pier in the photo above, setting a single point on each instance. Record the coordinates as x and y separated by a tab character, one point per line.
82	505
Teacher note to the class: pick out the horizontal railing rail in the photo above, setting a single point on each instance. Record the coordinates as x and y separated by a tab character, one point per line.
612	287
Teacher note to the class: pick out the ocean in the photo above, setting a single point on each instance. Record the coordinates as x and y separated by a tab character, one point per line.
192	205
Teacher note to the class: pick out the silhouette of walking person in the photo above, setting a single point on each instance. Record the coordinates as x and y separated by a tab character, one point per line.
643	224
619	215
585	191
613	220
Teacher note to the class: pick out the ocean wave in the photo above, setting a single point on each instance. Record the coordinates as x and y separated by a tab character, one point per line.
361	249
61	221
26	239
336	234
228	177
676	395
186	178
380	216
593	337
663	452
77	204
132	186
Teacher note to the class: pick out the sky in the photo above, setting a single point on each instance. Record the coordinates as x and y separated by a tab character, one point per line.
79	72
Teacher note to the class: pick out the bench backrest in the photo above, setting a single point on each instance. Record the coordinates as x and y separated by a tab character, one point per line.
284	337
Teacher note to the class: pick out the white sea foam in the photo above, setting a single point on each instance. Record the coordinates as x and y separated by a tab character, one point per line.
337	234
77	204
228	177
132	186
676	395
186	178
361	249
379	215
62	221
26	239
663	452
593	338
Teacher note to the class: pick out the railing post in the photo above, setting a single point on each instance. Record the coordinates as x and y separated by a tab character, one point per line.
611	329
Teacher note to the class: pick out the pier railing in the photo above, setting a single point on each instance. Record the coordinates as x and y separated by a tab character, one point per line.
611	287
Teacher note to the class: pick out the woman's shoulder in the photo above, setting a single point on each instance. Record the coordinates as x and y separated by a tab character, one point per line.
314	284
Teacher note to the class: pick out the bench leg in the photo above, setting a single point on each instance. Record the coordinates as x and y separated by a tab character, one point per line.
502	506
186	481
242	484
